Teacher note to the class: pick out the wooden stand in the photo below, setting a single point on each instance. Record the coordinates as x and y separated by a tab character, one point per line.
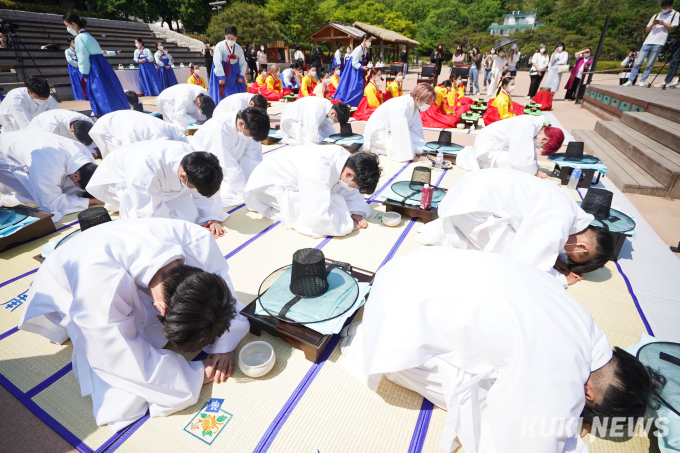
42	227
270	141
584	182
312	343
411	211
620	239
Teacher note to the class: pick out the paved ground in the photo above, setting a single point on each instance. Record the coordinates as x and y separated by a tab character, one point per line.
23	432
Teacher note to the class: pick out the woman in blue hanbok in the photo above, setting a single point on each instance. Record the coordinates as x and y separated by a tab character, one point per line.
73	72
229	67
151	85
103	88
351	87
164	61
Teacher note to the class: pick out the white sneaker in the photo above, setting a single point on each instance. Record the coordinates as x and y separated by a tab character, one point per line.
528	97
642	84
628	84
673	85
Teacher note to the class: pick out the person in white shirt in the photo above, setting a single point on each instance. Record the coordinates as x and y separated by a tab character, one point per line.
559	58
66	123
515	214
162	178
539	63
238	102
122	291
310	120
261	58
290	77
21	105
124	127
185	104
46	171
513	58
235	138
499	64
513	359
318	190
658	28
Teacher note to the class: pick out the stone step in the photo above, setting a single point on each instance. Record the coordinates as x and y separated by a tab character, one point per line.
659	129
658	160
8	86
621	170
8	77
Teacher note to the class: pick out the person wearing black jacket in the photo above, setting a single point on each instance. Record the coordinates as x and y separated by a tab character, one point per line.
207	53
316	61
251	59
436	58
404	59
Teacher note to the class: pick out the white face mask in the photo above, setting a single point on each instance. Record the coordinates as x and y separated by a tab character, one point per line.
262	49
312	75
542	50
493	51
325	81
574	251
500	54
424	107
559	49
230	43
72	31
39	102
160	47
666	11
368	44
400	78
586	55
345	185
138	45
511	88
184	184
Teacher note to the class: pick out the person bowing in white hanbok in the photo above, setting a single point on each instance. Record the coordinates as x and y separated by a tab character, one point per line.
185	104
235	138
317	189
240	101
512	143
124	127
162	178
68	124
515	361
123	290
395	128
310	120
515	214
43	170
21	105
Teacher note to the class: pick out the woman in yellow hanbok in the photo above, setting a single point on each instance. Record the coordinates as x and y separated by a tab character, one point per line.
394	88
308	84
502	106
373	97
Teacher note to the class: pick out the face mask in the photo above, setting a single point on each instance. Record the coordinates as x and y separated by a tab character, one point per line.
325	81
345	185
230	43
666	11
184	184
500	54
312	75
542	50
493	51
575	251
39	102
160	47
511	88
559	49
262	48
424	107
138	45
586	55
368	44
400	78
72	31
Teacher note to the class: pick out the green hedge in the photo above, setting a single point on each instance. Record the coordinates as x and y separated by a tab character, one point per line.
610	65
48	9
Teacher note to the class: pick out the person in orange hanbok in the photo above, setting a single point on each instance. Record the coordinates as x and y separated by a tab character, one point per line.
502	107
195	78
259	82
335	79
394	88
373	97
308	84
273	90
446	111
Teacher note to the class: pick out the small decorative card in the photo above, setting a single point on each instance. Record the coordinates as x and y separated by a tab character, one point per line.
209	422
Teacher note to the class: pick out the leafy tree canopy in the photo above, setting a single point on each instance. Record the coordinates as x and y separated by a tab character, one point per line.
252	22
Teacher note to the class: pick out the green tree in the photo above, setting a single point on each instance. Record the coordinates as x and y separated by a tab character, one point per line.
296	19
253	24
374	13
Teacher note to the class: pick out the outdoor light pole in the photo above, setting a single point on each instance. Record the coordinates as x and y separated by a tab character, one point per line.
597	57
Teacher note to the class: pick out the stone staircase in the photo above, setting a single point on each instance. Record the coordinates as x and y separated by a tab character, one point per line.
111	35
641	151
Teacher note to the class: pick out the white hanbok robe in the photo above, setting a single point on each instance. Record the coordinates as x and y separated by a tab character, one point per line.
233	103
95	290
238	154
499	64
306	122
124	127
140	180
18	109
300	187
395	129
494	341
507	212
178	106
58	121
555	78
33	170
510	143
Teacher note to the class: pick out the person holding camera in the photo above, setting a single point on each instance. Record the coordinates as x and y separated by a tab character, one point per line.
628	63
207	52
436	58
658	28
475	67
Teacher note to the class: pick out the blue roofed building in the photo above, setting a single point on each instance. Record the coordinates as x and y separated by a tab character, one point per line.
517	21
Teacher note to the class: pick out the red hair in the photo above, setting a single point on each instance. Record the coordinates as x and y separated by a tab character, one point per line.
556	137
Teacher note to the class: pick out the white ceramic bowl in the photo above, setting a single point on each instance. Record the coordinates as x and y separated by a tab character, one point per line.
460	125
391	218
256	359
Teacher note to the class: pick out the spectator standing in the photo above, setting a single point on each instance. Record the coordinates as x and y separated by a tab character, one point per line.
475	68
658	28
539	63
404	59
299	57
316	60
253	65
488	63
672	69
628	63
499	64
513	59
458	57
436	58
261	58
559	57
583	64
207	53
